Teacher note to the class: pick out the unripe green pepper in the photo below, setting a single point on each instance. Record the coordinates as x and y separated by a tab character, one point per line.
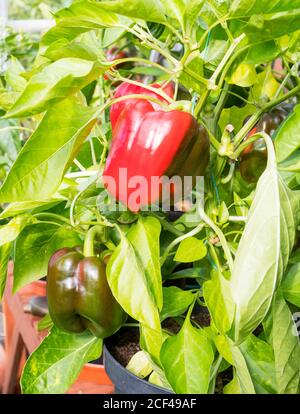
79	296
253	159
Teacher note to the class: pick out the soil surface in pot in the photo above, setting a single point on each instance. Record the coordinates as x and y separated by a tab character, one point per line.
125	343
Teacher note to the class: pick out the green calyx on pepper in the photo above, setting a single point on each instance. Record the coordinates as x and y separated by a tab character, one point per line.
78	293
253	159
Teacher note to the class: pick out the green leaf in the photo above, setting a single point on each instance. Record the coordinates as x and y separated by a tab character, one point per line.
262	53
244	75
223	213
9	232
187	359
157	378
54	366
139	365
263	250
195	272
235	116
185	12
151	341
218	299
266	86
286	345
241	372
191	12
5	252
259	357
144	237
223	346
42	163
190	250
188	81
290	220
45	323
13	209
214	52
7	99
80	17
245	8
233	387
287	139
264	27
291	164
35	246
146	70
135	288
53	83
290	286
150	10
13	75
85	47
66	30
112	35
175	302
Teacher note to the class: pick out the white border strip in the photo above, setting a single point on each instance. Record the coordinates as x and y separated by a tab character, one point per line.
31	26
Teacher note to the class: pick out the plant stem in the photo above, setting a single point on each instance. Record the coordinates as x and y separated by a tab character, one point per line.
243	146
255	117
176	33
54	216
140	60
77	174
220	235
157	91
50	222
131	325
174	243
133	96
237	218
226	57
229	65
220	105
196	76
11	128
226	180
88	247
79	165
93	154
201	103
214	374
148	41
168	226
213	140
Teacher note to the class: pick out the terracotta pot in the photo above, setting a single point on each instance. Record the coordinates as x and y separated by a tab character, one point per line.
37	288
2	365
92	378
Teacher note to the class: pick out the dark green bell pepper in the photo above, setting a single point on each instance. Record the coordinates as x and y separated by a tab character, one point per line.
79	296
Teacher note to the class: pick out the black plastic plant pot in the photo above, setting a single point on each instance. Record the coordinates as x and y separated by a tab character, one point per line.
125	382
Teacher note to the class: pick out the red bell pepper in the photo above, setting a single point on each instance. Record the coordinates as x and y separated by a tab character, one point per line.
132	89
147	144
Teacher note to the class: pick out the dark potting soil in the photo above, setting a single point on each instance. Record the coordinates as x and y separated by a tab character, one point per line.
202	318
126	342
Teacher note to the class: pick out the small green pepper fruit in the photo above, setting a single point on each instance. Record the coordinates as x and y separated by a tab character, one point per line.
253	159
79	296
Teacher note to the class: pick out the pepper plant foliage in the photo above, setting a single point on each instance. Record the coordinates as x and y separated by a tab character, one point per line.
239	259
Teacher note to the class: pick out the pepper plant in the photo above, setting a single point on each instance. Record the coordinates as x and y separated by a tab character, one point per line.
221	66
